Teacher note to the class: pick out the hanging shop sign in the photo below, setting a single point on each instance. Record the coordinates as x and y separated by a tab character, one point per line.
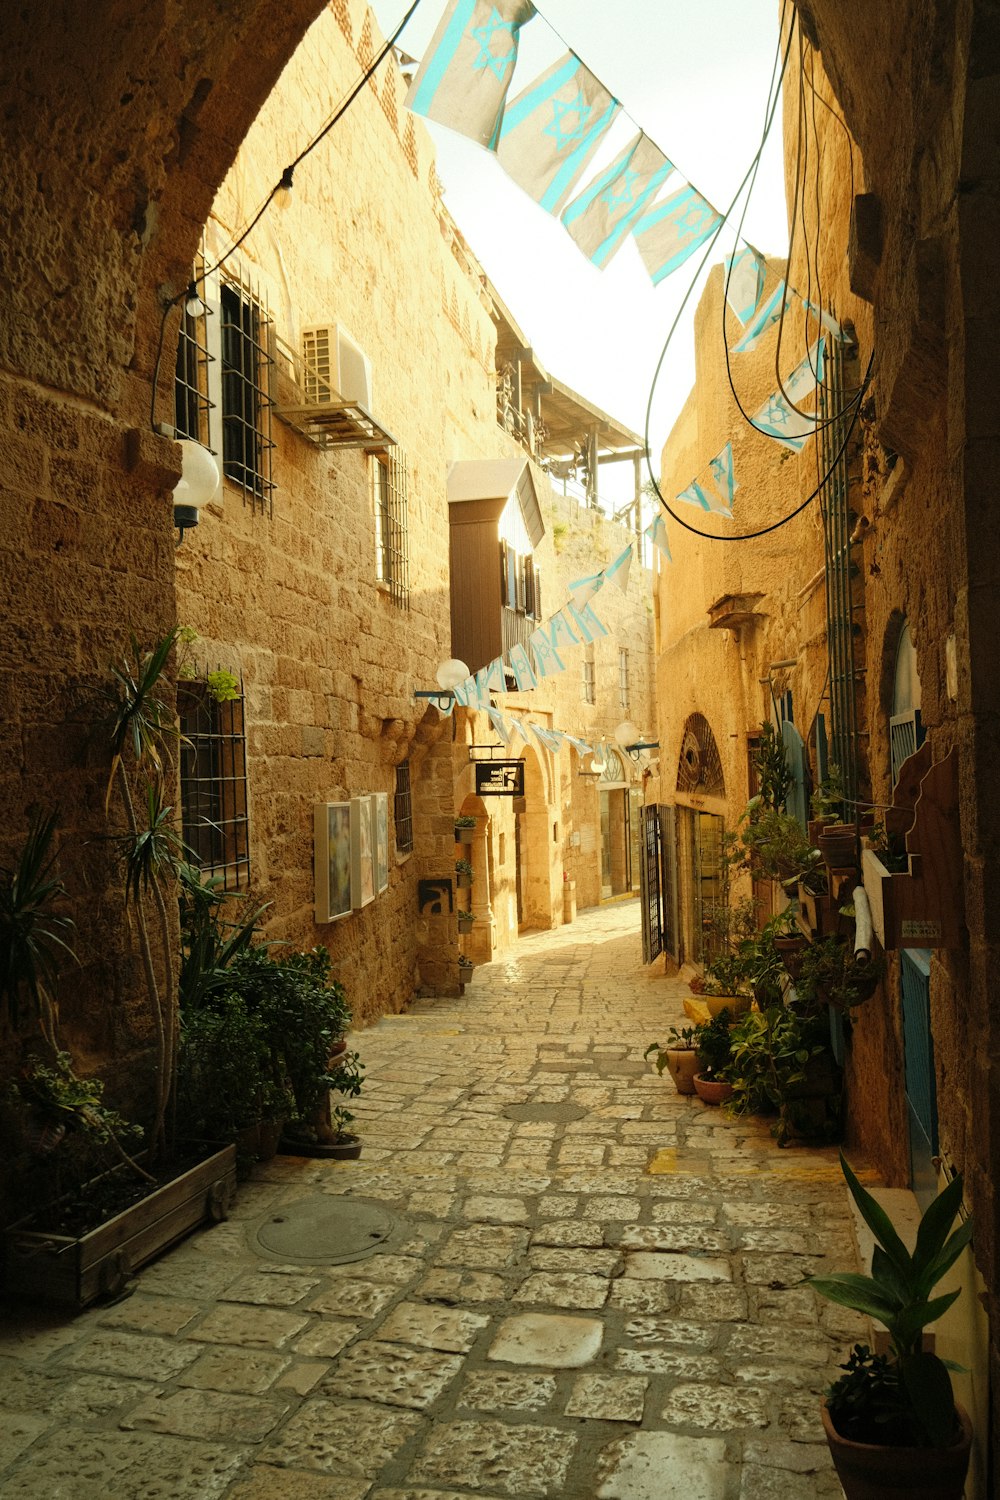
500	778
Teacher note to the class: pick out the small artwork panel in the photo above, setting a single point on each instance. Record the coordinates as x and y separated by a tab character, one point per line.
362	852
332	860
380	802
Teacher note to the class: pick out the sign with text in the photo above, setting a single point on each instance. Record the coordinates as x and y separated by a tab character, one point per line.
500	778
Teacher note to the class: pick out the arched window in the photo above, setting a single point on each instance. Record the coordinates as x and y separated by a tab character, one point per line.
906	732
700	767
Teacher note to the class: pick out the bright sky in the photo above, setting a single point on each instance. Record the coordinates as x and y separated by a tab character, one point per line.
695	78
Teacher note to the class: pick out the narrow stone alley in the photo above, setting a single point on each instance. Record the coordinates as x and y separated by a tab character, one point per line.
583	1284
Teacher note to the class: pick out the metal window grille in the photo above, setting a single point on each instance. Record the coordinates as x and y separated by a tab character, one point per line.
391	534
837	527
403	809
191	399
623	677
214	784
906	735
246	400
589	684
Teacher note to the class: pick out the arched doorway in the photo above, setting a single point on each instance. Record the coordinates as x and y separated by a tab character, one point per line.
699	827
620	828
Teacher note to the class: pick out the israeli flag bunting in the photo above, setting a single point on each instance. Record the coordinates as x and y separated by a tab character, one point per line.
777	418
724	476
551	738
657	533
697	494
582	590
581	746
826	320
601	217
505	730
524	672
765	317
619	569
744	281
672	230
552	129
463	79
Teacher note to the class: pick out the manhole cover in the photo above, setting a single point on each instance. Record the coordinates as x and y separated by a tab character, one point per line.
538	1114
323	1230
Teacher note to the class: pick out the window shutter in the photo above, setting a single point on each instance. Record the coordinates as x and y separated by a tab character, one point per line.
538	593
529	586
504	566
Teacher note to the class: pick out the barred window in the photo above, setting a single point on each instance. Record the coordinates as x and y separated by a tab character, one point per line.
392	564
191	400
214	783
246	398
589	682
623	676
403	809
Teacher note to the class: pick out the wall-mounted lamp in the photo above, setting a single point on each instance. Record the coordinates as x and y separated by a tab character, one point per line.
198	483
449	674
629	737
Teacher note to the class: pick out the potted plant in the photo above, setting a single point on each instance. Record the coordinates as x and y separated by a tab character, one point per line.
466	969
35	936
730	929
830	974
781	1063
771	845
891	1420
463	874
678	1056
827	801
465	921
771	764
465	828
713	1041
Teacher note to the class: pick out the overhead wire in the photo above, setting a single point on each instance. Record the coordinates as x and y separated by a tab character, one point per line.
284	183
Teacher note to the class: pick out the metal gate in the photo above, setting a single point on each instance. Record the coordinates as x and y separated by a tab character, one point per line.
650	894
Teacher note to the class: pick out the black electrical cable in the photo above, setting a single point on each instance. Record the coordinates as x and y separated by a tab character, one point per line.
745	536
284	182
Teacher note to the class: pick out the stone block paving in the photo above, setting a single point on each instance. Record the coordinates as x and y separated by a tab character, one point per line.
597	1296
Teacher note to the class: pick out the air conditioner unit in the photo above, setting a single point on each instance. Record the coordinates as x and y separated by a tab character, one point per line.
334	368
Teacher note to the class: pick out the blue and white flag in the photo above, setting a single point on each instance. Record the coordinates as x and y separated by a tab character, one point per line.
724	476
744	274
519	727
601	217
619	569
672	230
548	662
826	320
778	419
657	533
697	494
463	79
551	738
581	746
582	590
767	314
504	728
552	129
524	672
587	622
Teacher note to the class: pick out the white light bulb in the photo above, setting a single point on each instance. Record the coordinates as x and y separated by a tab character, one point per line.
199	475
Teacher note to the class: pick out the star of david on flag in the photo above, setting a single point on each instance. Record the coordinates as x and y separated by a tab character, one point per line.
601	217
657	533
826	320
778	419
744	274
724	476
697	494
463	79
672	230
552	129
767	314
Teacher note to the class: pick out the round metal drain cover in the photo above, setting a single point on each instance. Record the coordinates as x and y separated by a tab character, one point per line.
323	1230
539	1114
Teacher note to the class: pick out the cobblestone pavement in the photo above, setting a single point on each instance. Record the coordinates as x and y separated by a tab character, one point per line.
593	1288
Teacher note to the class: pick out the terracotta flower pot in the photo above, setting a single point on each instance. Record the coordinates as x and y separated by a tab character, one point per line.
712	1090
737	1005
868	1471
837	844
682	1065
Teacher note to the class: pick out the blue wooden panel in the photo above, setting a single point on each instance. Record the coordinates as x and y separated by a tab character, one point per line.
796	803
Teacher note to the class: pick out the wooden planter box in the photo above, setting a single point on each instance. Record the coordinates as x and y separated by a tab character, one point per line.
921	907
465	924
75	1272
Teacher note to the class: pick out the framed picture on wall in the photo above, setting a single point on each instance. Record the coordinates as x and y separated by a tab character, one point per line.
332	860
362	851
381	806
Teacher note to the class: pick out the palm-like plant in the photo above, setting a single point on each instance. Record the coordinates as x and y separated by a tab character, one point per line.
34	938
142	720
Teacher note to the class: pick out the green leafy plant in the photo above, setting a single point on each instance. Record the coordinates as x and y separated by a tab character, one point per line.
464	820
772	846
54	1105
729	930
890	851
905	1397
781	1063
227	1079
713	1043
827	801
829	974
771	765
223	686
209	942
463	867
35	937
679	1039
